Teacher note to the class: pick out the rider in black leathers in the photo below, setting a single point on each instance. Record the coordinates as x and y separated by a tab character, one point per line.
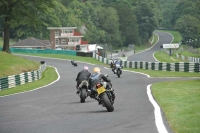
96	78
82	75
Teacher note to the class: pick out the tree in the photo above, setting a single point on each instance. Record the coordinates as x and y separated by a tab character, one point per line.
128	24
109	22
21	12
54	18
183	8
147	17
188	26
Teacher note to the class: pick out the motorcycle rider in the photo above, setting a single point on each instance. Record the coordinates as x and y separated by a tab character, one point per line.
117	62
112	64
95	78
82	75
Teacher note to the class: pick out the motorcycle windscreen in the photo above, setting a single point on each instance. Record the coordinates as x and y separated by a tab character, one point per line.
117	65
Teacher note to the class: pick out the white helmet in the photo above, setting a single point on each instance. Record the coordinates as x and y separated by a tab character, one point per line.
86	68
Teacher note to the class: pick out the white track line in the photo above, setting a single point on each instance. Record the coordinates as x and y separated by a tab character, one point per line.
158	117
157	113
155	52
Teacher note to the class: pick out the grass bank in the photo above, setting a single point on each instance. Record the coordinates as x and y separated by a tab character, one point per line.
11	65
140	48
49	72
162	56
189	54
155	38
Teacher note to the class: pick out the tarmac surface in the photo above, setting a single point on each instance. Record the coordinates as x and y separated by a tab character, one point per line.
57	109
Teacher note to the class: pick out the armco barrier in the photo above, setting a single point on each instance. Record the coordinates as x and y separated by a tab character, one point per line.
23	78
162	66
190	59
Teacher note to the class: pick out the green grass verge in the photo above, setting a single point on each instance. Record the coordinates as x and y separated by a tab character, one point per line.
147	45
155	39
49	72
180	102
67	57
142	48
188	54
12	65
157	73
162	56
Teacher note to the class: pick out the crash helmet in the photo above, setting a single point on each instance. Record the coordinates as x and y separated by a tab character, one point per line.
97	70
86	68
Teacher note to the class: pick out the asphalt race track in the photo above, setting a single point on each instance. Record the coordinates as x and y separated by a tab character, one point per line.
164	38
56	108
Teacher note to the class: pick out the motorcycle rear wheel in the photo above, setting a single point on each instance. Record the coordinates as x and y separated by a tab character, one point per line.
83	95
107	102
118	73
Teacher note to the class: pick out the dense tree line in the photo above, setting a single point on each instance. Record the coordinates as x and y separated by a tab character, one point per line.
113	22
184	16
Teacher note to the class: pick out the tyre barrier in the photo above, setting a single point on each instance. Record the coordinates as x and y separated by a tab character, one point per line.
23	78
162	66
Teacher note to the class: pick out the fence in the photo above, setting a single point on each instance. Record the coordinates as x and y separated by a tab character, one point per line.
162	66
50	51
23	78
190	59
43	51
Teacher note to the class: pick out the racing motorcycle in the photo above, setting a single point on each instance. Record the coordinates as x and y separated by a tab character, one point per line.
83	93
105	95
118	70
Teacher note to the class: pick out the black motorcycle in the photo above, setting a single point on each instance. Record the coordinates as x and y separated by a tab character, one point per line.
83	93
74	63
105	95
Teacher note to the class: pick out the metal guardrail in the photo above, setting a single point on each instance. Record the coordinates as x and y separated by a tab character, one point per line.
190	59
23	78
162	66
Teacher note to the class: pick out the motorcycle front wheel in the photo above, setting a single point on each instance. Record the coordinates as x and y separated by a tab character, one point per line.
107	102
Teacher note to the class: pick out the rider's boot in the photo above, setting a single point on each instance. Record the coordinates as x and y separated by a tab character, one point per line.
78	90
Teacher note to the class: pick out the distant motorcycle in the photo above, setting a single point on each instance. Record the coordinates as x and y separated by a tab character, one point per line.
118	70
105	95
83	93
73	63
